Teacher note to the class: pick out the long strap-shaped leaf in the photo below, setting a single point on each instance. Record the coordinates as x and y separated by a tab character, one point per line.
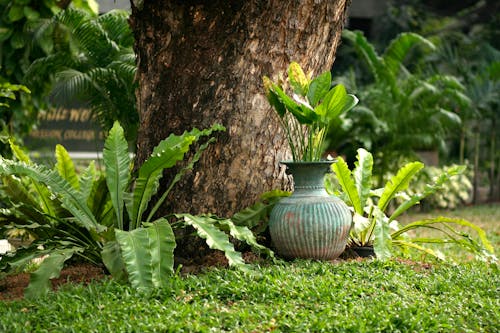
429	190
216	239
382	243
165	155
344	177
148	254
71	199
398	183
43	198
117	162
396	52
242	233
146	184
179	176
65	167
447	220
363	175
50	268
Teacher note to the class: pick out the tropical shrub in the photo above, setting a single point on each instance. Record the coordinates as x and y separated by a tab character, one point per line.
374	218
90	61
453	193
19	19
105	218
400	111
307	116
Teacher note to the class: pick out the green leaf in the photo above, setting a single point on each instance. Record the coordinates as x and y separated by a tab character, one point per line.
319	87
16	13
50	268
398	183
189	166
446	220
244	234
30	13
216	239
65	167
18	152
363	175
117	161
297	79
136	256
148	254
273	98
367	53
113	260
162	245
397	51
403	244
87	179
293	107
348	187
336	102
71	199
382	243
429	190
165	155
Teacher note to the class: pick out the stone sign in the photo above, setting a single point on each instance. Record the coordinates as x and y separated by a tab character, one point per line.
73	128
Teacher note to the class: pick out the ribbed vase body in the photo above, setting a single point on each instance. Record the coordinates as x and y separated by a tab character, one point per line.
310	223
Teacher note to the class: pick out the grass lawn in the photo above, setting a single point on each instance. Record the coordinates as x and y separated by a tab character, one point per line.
301	296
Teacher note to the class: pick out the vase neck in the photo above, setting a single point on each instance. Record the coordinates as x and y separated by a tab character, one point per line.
308	175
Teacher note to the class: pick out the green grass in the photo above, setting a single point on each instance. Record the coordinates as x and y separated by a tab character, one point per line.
303	296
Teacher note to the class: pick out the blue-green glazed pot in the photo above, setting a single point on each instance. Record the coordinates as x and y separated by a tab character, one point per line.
310	223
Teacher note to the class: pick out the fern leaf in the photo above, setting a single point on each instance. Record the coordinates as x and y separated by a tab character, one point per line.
398	183
348	187
65	167
382	243
148	254
429	190
216	239
363	175
71	199
448	221
397	51
244	234
50	268
117	161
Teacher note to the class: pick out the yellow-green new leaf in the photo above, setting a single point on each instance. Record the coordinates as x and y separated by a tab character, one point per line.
65	167
348	187
398	183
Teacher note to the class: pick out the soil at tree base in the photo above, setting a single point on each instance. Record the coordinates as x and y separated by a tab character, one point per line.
12	287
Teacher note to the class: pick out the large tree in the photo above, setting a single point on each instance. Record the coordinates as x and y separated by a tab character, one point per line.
202	62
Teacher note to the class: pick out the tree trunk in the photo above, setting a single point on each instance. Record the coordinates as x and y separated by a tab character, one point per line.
202	62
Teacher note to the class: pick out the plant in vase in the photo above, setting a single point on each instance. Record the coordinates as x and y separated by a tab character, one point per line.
310	223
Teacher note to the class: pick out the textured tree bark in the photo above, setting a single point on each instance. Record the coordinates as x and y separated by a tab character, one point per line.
202	62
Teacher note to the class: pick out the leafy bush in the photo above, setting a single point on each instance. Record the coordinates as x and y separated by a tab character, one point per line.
105	218
453	193
400	110
90	60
